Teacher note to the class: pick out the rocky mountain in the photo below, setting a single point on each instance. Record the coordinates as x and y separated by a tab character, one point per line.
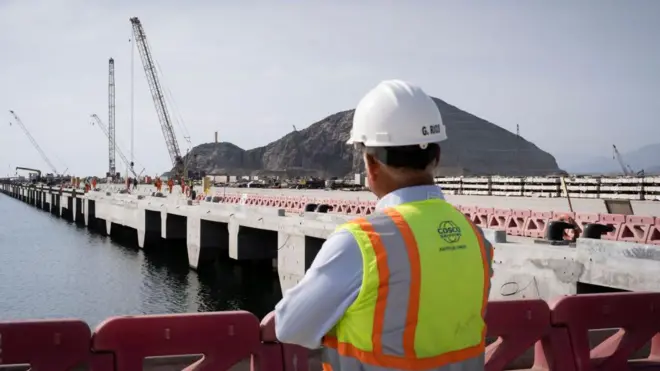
475	146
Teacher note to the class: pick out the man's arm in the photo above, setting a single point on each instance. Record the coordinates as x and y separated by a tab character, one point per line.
310	309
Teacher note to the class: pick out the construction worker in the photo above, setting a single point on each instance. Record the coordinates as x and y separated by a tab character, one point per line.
406	287
170	184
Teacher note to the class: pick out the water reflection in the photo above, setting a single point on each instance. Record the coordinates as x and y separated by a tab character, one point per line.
51	268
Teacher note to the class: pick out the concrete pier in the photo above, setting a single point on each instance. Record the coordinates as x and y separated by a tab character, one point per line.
523	268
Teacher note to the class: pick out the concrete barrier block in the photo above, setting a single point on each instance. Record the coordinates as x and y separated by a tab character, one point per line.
493	236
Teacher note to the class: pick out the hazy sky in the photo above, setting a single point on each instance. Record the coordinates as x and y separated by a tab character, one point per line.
576	76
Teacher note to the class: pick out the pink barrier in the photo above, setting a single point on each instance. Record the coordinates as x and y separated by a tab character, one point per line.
654	233
628	228
468	211
515	224
537	224
636	228
636	314
498	220
56	345
559	334
613	220
518	325
582	219
482	216
225	338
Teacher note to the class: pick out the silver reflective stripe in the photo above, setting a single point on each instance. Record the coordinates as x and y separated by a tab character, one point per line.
398	295
341	363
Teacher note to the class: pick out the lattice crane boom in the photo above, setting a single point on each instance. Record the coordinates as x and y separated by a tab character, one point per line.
157	93
112	167
97	121
34	142
624	167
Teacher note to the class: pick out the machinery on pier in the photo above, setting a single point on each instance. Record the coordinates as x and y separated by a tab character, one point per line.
34	174
112	168
97	121
627	170
159	99
34	143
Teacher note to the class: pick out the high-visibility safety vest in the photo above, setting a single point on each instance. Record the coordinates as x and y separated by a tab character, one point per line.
425	284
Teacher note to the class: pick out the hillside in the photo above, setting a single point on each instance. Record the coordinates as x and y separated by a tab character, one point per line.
475	146
645	158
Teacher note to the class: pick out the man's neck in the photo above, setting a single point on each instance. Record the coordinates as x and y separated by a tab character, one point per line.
405	184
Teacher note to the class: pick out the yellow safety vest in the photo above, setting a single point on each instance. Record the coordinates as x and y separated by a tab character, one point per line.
425	284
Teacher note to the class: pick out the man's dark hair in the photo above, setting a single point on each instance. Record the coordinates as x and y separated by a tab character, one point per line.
404	157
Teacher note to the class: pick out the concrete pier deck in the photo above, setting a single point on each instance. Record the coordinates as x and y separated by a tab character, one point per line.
523	268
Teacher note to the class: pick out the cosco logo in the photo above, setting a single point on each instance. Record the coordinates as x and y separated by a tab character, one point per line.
449	231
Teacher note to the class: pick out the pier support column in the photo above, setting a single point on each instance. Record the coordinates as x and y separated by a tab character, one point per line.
152	228
246	243
79	217
207	241
90	213
48	201
295	255
175	227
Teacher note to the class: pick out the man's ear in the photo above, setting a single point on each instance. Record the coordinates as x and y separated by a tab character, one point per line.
370	163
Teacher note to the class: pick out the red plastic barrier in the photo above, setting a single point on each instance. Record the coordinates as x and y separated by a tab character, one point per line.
515	224
614	220
225	338
499	219
582	219
482	215
636	228
468	211
654	233
518	325
275	356
636	314
537	224
45	345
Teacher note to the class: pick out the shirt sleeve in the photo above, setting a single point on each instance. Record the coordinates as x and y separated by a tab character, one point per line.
310	309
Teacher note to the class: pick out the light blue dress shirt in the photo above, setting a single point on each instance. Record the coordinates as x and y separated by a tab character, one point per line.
309	310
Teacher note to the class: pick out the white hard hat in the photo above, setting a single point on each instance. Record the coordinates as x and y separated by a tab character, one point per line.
396	113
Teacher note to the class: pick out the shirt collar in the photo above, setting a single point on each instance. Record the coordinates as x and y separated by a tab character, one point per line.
409	194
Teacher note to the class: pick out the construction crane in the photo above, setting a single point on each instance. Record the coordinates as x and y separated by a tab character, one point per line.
112	168
97	121
627	170
157	94
34	142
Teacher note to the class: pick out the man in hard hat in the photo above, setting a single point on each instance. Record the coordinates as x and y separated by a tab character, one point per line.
406	287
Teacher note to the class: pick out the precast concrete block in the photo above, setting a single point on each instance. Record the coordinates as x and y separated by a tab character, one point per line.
534	271
622	265
493	236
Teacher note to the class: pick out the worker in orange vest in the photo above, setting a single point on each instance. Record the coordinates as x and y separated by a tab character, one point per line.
170	184
93	183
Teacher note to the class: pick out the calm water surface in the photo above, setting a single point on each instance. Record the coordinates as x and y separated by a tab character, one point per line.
53	268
